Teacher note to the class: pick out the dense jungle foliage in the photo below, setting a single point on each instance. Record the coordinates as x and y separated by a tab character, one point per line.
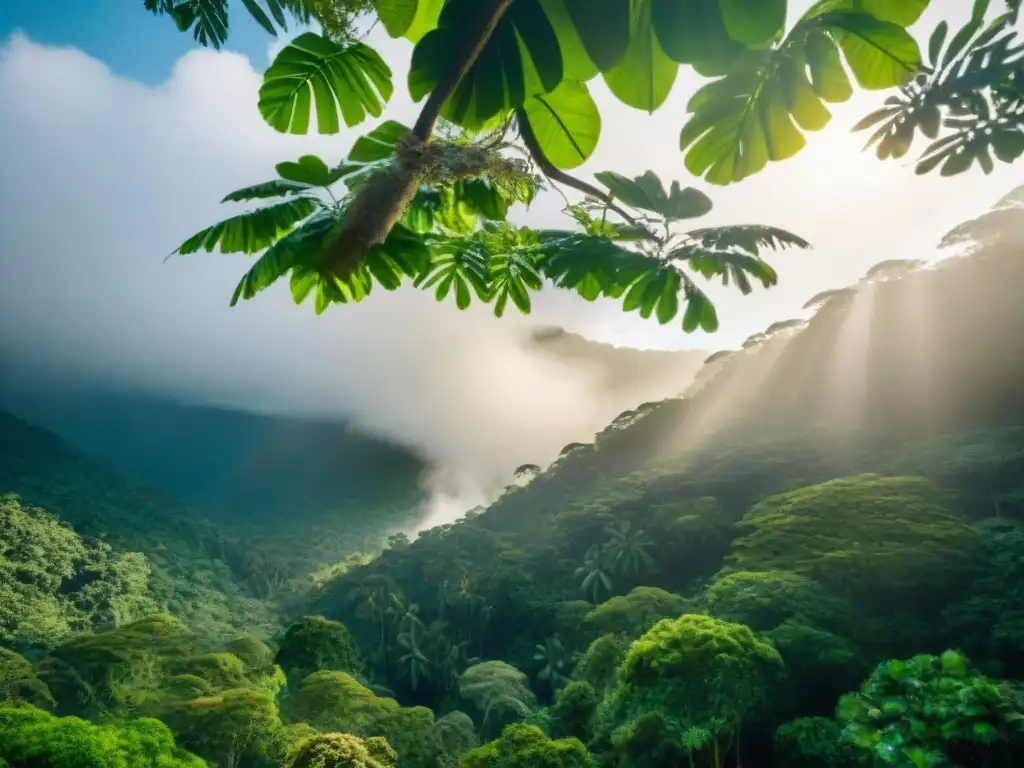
728	578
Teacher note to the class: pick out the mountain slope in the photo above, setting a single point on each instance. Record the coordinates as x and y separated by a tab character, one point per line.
198	571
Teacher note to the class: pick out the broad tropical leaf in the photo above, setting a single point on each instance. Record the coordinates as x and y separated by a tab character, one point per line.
754	22
253	231
694	32
756	113
645	74
972	86
350	78
522	58
602	27
565	122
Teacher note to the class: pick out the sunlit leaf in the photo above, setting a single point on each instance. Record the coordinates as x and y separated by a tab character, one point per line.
757	113
312	71
645	74
565	122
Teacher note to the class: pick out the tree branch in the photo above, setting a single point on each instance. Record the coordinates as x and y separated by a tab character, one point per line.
556	174
432	109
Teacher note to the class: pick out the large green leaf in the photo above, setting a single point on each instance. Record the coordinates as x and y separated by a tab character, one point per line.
754	22
253	231
348	78
693	32
902	12
397	16
427	14
756	113
565	122
880	54
603	27
645	74
577	63
522	58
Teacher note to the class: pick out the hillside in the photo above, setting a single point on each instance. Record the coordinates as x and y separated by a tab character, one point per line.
199	572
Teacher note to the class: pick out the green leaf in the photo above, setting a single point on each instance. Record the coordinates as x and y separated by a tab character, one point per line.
253	231
348	78
301	247
880	54
603	27
397	16
459	263
936	41
828	76
427	14
260	16
902	12
643	192
208	19
693	32
378	144
756	113
700	312
644	76
747	237
565	122
522	58
754	22
309	169
688	203
268	189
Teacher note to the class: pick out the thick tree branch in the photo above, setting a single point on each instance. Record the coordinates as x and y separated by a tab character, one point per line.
467	58
556	174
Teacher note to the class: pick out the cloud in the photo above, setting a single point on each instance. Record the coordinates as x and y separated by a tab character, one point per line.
103	177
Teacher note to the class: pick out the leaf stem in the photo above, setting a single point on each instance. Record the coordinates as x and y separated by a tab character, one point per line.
424	126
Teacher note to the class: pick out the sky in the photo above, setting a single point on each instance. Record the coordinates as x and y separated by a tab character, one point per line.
118	137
